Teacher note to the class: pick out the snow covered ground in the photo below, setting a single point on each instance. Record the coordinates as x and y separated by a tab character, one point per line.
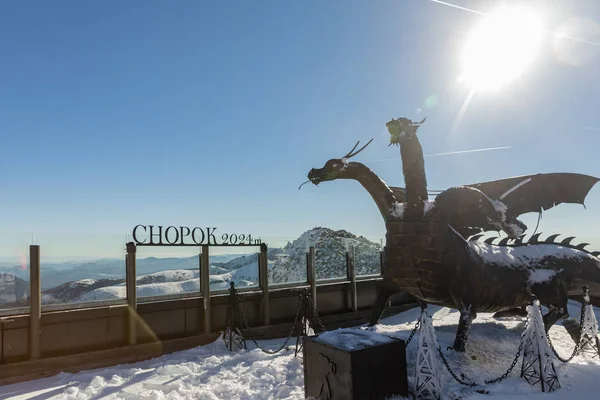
212	372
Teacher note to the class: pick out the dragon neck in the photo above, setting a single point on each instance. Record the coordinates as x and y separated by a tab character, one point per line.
379	191
415	179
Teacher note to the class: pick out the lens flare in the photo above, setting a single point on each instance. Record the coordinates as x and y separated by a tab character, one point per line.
500	48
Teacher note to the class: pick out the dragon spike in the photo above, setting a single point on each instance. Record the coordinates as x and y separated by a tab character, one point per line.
581	246
490	240
504	241
351	154
596	254
567	241
534	238
551	238
519	240
475	238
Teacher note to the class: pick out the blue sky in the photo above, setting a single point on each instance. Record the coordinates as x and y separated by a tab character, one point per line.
211	114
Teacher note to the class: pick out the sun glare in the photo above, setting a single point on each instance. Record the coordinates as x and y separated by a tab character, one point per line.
500	48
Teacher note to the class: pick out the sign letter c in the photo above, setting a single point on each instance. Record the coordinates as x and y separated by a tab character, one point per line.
135	236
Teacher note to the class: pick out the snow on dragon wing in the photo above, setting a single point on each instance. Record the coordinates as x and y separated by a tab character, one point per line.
537	192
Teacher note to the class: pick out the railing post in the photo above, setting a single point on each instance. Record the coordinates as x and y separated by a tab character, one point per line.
312	273
351	273
35	302
263	277
205	286
131	290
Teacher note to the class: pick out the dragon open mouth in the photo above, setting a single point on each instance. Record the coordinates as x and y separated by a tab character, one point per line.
311	179
512	230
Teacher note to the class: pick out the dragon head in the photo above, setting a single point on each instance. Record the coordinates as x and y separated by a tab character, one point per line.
336	168
402	129
503	219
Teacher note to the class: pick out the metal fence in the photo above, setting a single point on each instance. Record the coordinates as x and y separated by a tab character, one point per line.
35	303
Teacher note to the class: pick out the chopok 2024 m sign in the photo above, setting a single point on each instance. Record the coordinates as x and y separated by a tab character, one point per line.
158	235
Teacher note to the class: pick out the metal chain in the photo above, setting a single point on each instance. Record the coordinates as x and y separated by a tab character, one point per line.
512	366
314	310
289	335
456	378
415	329
490	381
579	342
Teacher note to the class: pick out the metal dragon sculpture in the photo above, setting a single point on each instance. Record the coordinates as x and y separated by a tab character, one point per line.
428	254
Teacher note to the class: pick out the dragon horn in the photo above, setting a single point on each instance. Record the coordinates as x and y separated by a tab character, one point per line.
359	150
350	152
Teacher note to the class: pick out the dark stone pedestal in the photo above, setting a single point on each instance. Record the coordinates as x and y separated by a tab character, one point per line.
352	364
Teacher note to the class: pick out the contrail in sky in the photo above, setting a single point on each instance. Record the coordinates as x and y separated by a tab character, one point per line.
468	151
457	6
451	152
562	35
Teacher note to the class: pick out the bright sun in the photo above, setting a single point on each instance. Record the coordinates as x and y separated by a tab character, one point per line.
500	48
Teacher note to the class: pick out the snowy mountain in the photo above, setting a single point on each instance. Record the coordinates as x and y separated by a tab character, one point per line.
69	292
96	280
289	265
14	291
156	284
56	274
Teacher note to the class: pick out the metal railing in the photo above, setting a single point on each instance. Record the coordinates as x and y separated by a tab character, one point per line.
205	293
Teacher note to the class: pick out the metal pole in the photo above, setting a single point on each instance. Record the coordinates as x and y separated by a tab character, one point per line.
351	272
312	274
35	302
131	289
205	286
263	277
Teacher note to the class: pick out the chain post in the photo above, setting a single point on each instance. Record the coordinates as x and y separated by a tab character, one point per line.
232	336
589	326
583	340
304	320
538	365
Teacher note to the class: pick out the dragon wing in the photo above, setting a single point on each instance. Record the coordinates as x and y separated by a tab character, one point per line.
537	192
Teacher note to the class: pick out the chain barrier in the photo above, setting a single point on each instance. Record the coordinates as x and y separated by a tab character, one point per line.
300	309
490	381
579	342
289	336
456	378
505	375
415	329
313	310
518	354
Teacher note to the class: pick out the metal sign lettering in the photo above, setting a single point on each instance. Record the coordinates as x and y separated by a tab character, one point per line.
158	235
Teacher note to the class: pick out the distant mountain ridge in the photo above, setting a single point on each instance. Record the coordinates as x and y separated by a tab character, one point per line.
330	256
105	280
55	274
